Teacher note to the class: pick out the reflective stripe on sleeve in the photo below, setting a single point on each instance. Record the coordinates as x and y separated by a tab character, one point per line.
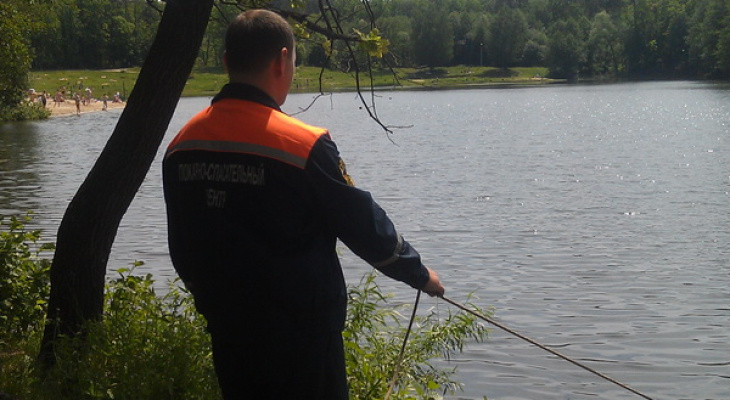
393	258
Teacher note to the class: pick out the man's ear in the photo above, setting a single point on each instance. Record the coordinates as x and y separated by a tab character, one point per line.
281	61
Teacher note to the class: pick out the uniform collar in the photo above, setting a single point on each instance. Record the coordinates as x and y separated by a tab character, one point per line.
242	91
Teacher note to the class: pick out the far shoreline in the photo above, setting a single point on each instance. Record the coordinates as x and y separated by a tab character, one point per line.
68	107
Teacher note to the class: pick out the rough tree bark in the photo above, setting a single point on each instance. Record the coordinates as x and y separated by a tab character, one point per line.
90	224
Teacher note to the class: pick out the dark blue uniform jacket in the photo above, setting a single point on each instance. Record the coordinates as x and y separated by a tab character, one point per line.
256	201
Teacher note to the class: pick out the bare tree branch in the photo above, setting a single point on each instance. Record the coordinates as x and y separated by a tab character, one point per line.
328	23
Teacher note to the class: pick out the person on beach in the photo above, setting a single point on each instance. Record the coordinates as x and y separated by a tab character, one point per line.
88	95
77	100
104	99
58	99
256	201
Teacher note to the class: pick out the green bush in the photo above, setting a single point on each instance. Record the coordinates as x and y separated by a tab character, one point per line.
34	111
23	112
146	347
15	54
24	279
149	346
24	288
374	336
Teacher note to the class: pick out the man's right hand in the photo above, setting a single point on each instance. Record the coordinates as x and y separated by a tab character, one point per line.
433	287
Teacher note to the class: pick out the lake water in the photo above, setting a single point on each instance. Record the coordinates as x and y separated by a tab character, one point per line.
595	219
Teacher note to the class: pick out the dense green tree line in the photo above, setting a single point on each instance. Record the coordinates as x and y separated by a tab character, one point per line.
93	34
631	38
625	38
634	38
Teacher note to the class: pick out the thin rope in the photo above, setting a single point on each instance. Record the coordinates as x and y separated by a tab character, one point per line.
549	350
396	372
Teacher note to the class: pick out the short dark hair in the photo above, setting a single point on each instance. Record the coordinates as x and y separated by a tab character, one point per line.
255	38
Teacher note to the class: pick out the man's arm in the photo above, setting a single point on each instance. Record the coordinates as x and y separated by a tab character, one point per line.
363	225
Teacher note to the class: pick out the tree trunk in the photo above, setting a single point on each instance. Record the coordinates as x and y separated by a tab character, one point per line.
90	224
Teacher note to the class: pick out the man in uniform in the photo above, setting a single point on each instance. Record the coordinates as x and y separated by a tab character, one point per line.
256	201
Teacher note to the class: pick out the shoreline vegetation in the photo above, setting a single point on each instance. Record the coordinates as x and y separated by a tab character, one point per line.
306	80
155	346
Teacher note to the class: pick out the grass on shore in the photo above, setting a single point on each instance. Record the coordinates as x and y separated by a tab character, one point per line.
307	79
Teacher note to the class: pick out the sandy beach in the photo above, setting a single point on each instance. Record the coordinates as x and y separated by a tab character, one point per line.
69	107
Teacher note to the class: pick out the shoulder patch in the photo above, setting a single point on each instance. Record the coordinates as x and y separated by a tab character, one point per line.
343	171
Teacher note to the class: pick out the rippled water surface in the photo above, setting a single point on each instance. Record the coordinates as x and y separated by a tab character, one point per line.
594	219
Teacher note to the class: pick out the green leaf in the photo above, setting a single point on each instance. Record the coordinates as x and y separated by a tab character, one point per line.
372	43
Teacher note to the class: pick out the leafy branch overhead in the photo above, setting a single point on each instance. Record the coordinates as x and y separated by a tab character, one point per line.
329	23
373	43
